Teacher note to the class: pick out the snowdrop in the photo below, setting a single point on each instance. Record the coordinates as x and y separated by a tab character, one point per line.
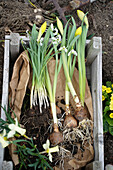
41	41
63	48
3	141
15	128
72	52
49	150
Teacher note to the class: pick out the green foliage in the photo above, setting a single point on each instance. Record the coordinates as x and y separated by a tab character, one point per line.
29	155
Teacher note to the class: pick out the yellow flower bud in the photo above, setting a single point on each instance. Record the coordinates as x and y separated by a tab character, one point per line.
78	31
103	98
81	16
42	30
108	90
111	115
60	25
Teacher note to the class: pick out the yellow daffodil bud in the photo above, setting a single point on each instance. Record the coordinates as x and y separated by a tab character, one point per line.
108	90
78	31
111	115
42	30
60	25
103	88
81	16
103	98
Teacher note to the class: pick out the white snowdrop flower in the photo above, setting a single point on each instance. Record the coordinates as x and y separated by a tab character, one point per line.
59	38
63	48
52	28
49	150
15	128
3	139
54	39
55	42
56	31
41	41
72	52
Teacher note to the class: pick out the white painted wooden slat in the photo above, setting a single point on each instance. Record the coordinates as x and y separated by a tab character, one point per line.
96	88
5	90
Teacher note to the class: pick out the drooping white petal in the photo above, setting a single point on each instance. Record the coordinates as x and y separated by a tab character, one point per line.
17	129
11	134
3	142
56	31
50	156
52	28
4	133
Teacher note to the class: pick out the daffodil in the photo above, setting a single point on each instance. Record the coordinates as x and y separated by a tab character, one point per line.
78	31
111	115
42	30
60	25
103	88
49	150
15	128
3	139
111	105
82	16
103	98
108	90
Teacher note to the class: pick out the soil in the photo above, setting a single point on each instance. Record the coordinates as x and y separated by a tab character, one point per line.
15	15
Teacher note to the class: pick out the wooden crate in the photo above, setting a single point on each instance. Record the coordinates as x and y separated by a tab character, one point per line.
94	76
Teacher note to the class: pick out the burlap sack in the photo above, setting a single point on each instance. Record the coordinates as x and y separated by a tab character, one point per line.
19	82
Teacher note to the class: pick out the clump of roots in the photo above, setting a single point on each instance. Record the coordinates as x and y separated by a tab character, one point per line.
82	133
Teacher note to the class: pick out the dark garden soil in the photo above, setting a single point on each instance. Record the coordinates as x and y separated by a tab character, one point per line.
15	15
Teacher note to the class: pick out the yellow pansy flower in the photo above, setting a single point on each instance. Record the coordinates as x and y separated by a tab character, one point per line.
111	105
111	96
103	98
78	31
103	88
111	115
108	90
